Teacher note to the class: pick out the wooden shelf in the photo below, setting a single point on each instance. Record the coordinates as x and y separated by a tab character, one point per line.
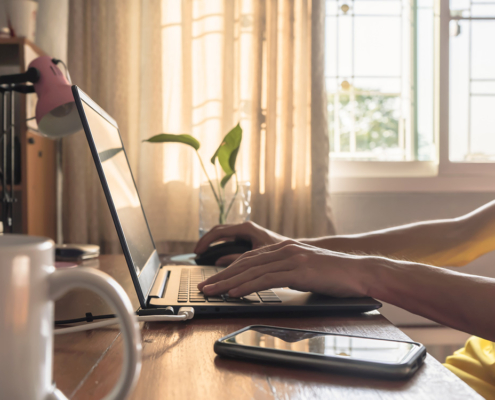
17	188
22	42
34	211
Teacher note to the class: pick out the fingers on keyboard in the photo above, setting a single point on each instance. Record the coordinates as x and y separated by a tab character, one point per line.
188	291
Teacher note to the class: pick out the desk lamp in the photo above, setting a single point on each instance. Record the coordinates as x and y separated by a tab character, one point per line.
56	112
56	115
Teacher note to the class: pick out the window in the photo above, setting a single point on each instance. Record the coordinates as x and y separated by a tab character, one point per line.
379	58
411	83
472	81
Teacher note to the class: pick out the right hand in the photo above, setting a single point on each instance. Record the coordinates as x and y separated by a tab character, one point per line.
298	266
257	235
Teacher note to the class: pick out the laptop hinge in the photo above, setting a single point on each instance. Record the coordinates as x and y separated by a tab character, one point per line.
159	285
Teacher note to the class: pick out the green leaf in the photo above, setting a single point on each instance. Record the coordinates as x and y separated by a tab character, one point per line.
107	154
227	153
170	138
225	179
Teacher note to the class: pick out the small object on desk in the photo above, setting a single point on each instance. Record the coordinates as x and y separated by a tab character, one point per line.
216	251
180	259
76	252
4	32
64	264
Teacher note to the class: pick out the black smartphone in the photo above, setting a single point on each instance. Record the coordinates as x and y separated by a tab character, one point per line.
390	359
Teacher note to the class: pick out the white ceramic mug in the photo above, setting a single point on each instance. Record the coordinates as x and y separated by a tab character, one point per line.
29	284
21	17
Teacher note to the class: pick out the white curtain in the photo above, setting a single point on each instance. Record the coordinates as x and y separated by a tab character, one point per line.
200	67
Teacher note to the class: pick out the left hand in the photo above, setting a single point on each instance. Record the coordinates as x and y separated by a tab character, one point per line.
295	265
256	234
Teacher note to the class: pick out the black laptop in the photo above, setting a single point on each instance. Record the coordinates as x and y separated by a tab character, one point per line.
163	286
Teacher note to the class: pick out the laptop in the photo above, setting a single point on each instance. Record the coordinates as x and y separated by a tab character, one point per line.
173	286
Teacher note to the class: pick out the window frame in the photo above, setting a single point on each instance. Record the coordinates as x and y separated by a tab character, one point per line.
439	175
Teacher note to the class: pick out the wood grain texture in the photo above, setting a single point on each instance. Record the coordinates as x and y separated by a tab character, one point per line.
40	186
179	363
78	353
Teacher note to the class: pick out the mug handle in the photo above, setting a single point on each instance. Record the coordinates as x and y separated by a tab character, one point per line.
61	281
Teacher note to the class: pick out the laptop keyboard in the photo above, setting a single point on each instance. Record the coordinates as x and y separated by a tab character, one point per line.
188	290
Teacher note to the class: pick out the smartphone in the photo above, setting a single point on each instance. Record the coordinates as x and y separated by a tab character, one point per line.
390	359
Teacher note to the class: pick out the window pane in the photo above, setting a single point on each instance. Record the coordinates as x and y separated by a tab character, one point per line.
331	47
331	7
377	84
377	124
344	40
483	10
369	7
425	3
482	87
482	64
472	85
377	46
482	129
371	83
459	4
424	83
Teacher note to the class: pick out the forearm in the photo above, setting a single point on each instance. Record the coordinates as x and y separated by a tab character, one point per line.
448	242
458	300
433	242
461	301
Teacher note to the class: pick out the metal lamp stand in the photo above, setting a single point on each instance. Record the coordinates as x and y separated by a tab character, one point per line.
7	122
8	85
7	148
59	190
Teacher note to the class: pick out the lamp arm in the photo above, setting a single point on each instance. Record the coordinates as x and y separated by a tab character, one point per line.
31	75
18	88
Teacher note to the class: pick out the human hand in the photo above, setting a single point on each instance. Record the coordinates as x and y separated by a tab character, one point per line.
258	236
296	265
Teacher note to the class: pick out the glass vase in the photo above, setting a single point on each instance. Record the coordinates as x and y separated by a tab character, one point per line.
233	205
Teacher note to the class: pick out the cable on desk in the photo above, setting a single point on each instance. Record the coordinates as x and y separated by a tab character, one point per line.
184	314
89	318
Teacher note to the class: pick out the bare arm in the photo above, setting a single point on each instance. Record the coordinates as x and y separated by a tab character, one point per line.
448	242
461	301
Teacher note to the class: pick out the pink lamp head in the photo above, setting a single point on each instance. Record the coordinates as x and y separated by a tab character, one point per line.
56	112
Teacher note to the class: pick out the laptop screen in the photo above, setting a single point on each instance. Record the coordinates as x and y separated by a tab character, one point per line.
121	192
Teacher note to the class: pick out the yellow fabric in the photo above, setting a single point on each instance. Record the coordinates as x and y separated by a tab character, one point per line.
475	365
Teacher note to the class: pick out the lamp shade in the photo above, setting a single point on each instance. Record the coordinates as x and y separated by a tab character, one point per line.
56	112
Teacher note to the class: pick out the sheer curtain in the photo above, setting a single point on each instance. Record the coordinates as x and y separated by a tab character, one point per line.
200	67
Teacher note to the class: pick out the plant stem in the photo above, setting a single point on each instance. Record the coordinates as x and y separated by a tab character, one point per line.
233	197
221	195
209	180
222	198
221	216
221	211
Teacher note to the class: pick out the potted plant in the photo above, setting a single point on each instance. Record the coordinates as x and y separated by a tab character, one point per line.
226	156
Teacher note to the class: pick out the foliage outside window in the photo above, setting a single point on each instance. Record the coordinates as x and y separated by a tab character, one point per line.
380	76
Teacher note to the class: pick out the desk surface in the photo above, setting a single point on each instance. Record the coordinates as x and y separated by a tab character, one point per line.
179	362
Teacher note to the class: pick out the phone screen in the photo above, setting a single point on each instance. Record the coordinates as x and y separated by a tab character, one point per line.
376	350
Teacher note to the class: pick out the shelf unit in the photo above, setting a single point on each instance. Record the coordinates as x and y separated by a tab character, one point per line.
35	208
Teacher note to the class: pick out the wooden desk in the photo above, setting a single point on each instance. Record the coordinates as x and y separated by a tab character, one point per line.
179	362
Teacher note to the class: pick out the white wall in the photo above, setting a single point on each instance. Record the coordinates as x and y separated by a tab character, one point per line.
52	27
361	212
